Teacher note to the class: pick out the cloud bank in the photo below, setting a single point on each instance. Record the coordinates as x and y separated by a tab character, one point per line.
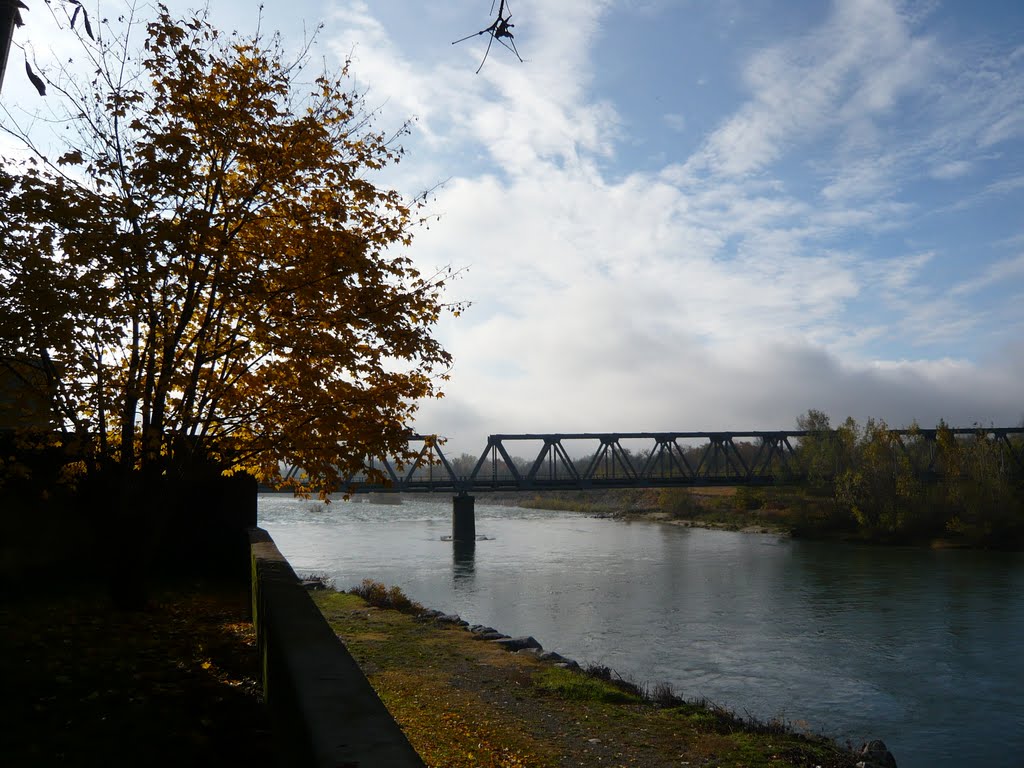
772	270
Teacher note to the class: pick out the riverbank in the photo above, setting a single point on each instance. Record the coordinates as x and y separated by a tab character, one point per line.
780	510
729	508
465	702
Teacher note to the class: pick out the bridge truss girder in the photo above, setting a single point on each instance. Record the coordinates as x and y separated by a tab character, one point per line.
667	459
662	463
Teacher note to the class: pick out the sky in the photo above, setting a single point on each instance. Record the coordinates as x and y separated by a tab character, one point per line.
685	215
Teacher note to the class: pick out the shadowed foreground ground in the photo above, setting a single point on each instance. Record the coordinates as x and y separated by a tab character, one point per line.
176	684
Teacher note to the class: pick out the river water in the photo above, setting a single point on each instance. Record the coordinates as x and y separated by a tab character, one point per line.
923	649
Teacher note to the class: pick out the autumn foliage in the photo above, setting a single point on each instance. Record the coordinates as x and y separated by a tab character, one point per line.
206	274
883	486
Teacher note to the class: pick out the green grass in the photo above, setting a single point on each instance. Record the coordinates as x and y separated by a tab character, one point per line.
574	686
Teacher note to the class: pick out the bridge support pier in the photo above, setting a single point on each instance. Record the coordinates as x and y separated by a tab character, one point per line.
463	518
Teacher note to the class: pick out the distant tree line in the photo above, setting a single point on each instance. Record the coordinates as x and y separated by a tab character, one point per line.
906	487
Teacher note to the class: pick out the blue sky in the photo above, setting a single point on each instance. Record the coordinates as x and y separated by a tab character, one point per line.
694	215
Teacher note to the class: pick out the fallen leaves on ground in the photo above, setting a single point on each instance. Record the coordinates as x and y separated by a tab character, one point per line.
175	684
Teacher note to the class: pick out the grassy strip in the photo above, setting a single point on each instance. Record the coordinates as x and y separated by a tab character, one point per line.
466	703
571	685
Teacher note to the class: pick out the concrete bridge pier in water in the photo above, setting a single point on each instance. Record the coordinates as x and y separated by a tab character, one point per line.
463	518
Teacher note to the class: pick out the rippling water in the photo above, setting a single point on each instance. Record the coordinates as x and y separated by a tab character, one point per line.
923	649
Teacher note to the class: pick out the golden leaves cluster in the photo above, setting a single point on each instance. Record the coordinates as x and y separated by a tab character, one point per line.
208	271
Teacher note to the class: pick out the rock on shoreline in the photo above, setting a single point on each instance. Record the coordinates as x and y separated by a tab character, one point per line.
876	755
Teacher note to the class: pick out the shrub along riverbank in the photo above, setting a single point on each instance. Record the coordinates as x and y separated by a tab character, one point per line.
465	702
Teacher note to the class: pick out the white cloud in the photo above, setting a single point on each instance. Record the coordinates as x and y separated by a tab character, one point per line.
699	295
895	275
837	77
675	121
992	274
859	180
1009	126
398	86
951	170
1005	186
762	384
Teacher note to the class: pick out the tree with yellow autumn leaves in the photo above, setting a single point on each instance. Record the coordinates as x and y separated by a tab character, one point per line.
206	275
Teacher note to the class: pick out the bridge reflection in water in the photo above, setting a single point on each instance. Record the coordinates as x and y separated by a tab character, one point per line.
638	460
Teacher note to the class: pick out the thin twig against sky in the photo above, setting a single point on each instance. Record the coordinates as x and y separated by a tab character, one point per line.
500	30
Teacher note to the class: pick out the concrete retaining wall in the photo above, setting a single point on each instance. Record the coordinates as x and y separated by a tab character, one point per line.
323	710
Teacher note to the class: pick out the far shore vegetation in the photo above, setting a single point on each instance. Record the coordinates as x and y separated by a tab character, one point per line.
859	482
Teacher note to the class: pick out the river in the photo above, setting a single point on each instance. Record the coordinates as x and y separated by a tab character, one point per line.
923	649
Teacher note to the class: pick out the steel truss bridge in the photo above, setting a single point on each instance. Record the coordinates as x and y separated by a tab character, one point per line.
645	460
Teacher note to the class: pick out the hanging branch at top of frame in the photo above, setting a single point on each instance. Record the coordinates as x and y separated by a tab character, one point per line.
500	30
10	17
